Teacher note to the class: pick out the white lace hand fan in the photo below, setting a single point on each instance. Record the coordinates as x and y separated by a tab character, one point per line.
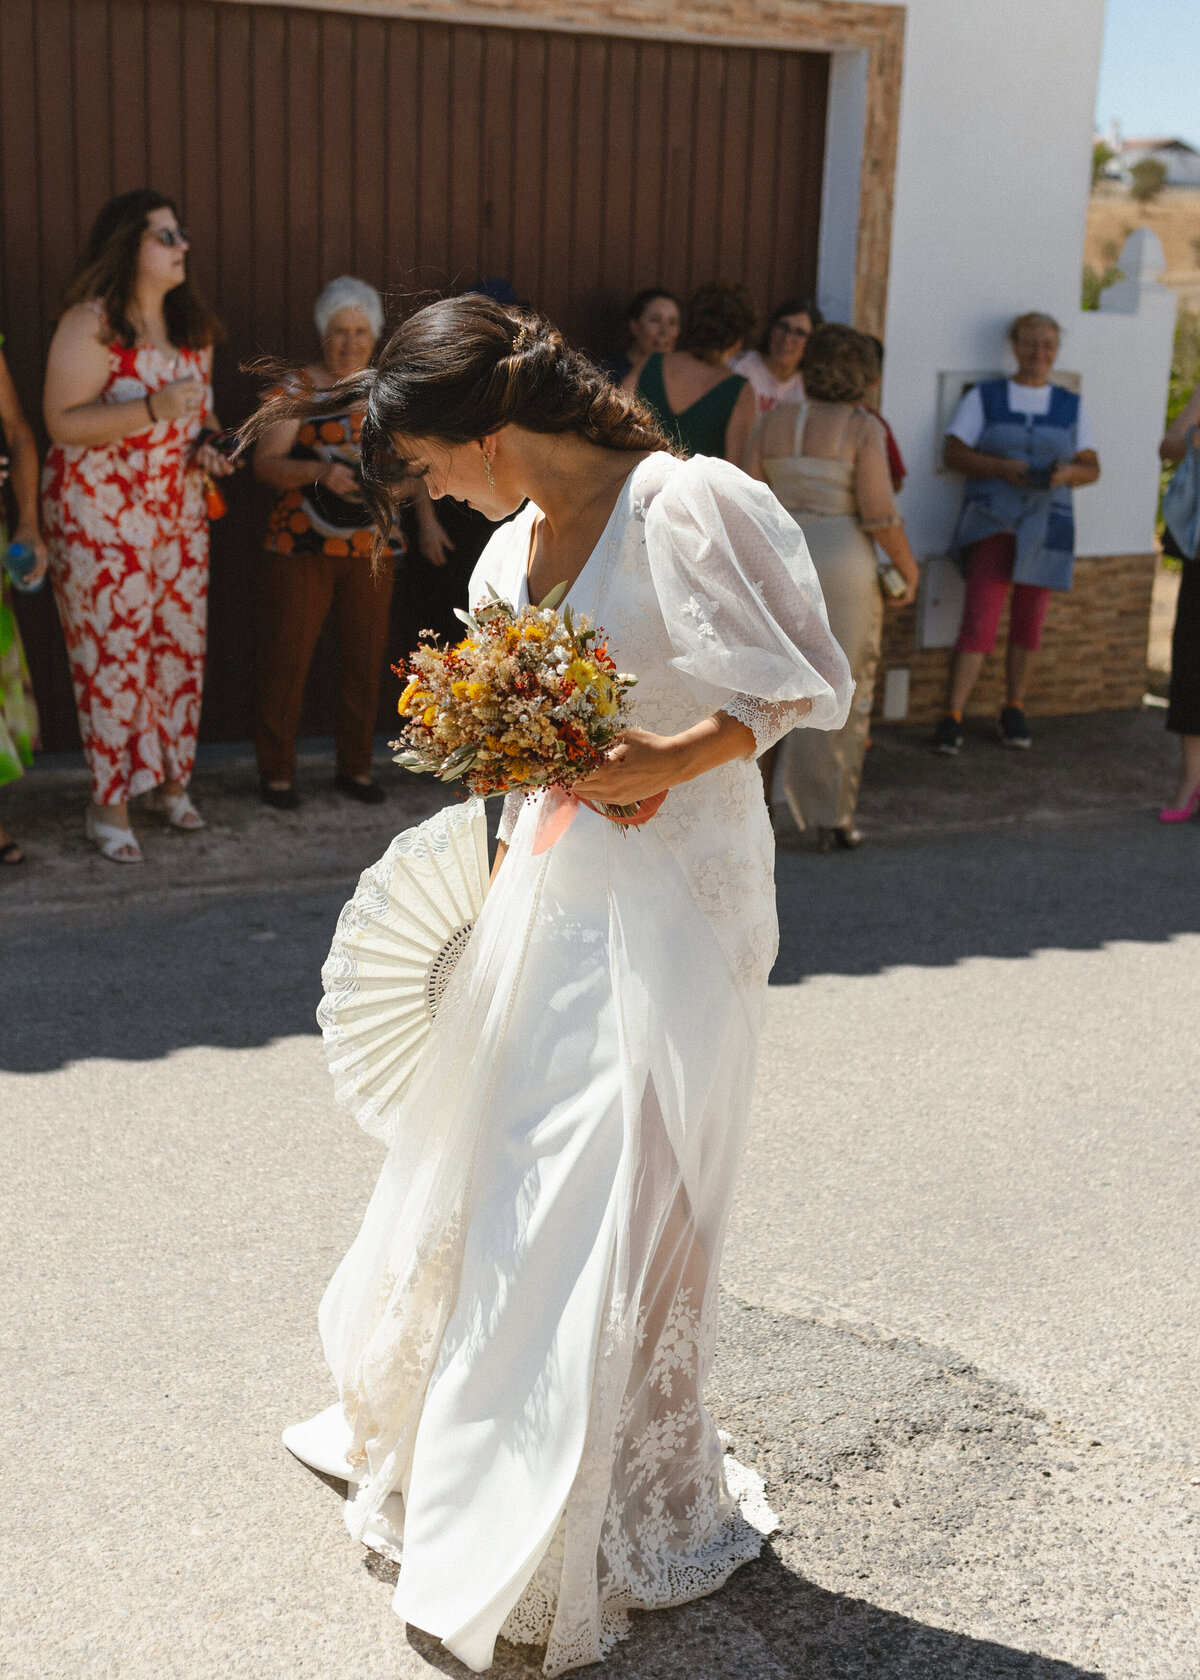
395	947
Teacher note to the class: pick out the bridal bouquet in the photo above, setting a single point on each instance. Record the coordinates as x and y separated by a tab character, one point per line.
526	700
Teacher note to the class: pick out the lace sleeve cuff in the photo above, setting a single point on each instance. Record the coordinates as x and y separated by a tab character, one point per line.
768	720
509	813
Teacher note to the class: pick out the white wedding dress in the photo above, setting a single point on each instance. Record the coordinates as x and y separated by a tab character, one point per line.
522	1329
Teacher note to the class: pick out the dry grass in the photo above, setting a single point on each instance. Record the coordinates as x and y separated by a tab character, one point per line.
1175	218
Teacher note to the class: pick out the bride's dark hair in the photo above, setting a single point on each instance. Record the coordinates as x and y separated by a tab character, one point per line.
457	370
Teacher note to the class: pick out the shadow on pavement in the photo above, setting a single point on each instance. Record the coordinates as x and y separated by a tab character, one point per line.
219	940
770	1624
820	1635
134	982
1080	766
1006	891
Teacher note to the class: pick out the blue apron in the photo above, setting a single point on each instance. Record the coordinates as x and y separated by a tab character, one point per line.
1043	520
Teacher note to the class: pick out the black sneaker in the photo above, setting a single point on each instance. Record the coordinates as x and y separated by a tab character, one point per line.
948	736
367	793
282	799
1013	729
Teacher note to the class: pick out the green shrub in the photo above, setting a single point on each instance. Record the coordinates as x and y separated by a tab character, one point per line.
1185	361
1094	282
1147	179
1185	371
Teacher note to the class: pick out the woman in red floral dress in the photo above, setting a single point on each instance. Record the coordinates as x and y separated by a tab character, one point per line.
128	397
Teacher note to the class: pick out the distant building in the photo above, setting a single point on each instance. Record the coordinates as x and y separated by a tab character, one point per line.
1181	161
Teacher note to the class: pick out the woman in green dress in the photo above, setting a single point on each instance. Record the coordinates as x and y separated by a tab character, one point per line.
18	714
698	401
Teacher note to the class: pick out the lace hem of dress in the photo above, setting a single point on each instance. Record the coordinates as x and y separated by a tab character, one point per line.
680	1580
768	720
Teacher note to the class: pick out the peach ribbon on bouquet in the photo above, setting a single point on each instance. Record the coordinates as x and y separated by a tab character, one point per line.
559	809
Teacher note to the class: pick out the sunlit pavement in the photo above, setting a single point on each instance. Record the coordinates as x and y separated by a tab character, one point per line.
962	1288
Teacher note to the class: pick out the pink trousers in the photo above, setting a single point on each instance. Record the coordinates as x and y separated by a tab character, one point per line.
989	576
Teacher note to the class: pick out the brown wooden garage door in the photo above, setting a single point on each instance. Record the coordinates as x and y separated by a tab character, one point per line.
304	144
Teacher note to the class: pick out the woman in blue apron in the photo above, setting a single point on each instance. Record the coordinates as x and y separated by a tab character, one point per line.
1023	445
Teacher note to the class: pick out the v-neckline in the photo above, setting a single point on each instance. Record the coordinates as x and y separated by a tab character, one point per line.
678	413
601	540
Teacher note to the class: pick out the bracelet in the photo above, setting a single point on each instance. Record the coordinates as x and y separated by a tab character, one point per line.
150	408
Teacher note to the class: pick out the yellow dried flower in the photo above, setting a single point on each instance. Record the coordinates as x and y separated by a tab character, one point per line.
582	672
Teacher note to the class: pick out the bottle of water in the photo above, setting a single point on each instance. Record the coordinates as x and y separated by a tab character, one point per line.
19	561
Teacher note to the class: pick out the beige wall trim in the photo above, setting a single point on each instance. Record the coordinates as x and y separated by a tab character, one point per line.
802	25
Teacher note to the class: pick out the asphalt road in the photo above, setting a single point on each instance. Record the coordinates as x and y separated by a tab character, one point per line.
962	1283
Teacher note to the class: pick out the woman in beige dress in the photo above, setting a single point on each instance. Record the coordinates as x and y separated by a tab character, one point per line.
826	460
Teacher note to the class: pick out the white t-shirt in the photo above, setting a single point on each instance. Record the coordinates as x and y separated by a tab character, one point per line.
752	365
968	422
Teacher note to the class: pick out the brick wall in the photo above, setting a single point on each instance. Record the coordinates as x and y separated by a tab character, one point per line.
1092	659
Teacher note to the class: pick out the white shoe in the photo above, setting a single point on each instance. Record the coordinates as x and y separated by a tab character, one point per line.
118	845
179	811
322	1443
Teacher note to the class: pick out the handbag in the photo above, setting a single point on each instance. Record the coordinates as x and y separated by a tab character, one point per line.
1181	501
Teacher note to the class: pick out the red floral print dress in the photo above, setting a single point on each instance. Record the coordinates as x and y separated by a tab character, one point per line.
127	531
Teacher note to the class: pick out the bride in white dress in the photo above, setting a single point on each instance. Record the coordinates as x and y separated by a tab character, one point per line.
521	1332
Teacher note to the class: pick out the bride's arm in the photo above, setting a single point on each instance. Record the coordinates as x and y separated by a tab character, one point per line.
504	832
642	764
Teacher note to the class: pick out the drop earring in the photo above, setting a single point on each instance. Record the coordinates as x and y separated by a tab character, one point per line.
487	473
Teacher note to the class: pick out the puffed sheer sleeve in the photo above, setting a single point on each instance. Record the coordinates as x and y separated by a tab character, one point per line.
742	603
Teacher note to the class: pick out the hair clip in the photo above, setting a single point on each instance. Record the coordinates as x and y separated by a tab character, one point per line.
524	337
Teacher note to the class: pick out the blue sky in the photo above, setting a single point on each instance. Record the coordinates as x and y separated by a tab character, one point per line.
1150	69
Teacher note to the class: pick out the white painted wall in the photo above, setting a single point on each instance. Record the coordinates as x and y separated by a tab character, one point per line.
992	181
837	253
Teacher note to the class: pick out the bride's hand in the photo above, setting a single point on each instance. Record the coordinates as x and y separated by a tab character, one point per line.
638	766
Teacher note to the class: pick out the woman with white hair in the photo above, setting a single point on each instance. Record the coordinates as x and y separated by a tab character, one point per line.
319	546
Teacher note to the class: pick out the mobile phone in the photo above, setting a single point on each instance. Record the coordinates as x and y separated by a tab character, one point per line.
225	443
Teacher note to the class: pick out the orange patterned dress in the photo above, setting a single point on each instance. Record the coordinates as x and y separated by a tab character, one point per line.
127	531
314	520
319	561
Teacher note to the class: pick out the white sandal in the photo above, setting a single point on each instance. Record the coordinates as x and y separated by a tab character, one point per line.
179	811
118	845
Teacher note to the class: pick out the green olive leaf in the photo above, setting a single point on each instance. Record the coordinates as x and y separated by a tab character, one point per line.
549	602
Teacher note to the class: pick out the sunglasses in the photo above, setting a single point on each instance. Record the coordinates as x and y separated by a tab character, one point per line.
791	332
170	237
